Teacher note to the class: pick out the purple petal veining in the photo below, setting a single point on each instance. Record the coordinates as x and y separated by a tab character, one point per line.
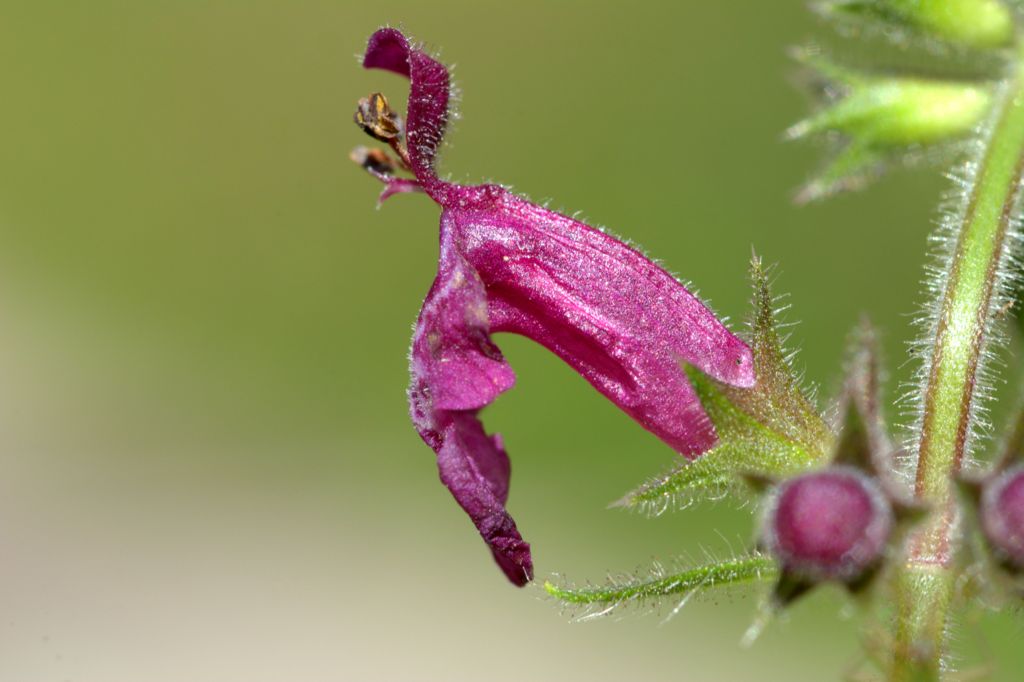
507	265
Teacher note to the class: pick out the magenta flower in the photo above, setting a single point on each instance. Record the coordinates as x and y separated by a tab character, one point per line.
507	265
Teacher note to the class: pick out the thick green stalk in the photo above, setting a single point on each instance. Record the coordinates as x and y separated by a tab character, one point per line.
925	581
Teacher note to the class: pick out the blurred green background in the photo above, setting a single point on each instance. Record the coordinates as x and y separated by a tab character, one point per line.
206	467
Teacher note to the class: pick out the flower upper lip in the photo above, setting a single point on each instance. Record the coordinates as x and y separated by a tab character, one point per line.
505	264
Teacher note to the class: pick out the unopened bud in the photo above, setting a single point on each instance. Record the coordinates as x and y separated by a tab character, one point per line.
828	525
375	116
884	118
901	112
1002	516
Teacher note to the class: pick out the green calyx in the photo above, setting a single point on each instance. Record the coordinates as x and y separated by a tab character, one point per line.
772	429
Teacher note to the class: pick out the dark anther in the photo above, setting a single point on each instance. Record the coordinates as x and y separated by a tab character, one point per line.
375	116
376	161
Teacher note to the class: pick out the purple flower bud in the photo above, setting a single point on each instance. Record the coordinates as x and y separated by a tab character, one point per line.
1002	515
828	525
507	265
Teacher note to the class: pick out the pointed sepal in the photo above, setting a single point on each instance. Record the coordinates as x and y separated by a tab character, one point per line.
863	441
788	588
853	447
759	483
969	488
776	401
861	585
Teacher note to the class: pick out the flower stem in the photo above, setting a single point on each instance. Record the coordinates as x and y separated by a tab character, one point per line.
976	266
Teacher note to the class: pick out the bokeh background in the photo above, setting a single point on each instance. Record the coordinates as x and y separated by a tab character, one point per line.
206	468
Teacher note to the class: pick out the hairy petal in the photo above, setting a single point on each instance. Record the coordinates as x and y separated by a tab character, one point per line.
614	316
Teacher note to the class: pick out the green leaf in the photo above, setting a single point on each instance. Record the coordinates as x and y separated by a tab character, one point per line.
772	429
661	584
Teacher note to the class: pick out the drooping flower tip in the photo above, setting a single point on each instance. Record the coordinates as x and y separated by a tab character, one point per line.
507	265
1002	516
828	525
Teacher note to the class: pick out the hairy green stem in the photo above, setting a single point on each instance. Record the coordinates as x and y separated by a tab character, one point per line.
925	581
740	570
